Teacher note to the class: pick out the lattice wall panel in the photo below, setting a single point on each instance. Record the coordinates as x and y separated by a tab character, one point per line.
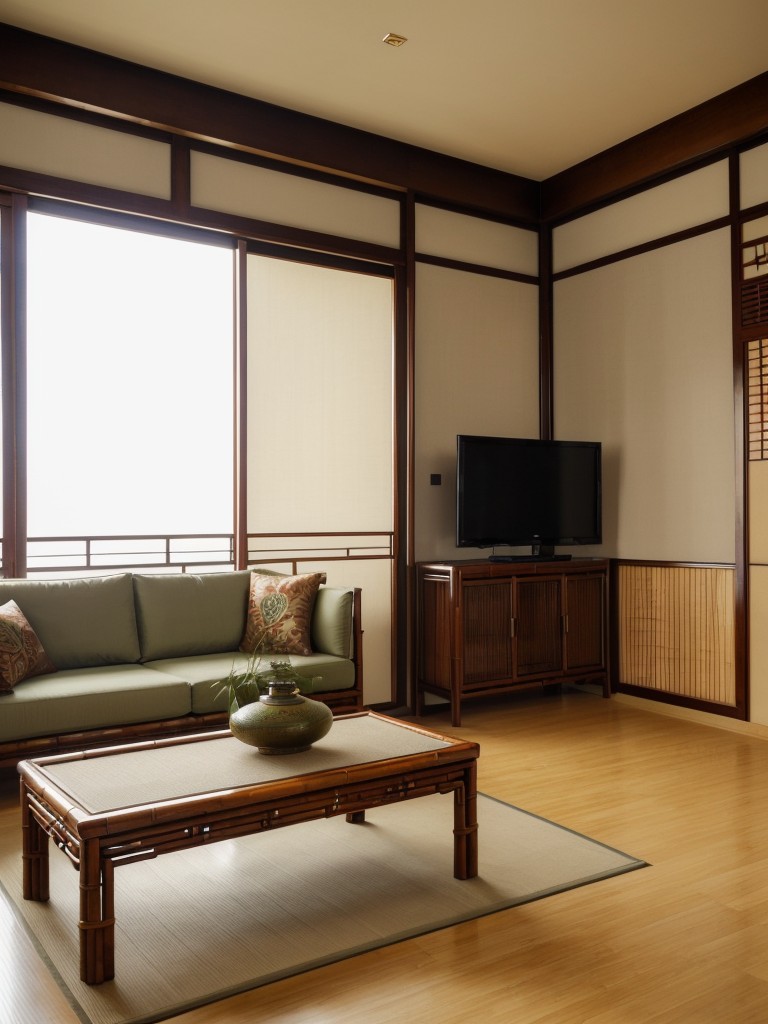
754	302
676	631
757	398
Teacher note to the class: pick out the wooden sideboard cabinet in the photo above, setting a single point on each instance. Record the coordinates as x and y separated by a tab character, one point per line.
486	628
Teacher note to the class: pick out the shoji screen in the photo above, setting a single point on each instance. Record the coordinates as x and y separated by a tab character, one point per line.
320	434
754	192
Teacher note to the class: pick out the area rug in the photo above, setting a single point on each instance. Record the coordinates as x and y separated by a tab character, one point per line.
198	925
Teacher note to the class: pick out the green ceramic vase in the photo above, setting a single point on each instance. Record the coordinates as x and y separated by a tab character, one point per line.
281	721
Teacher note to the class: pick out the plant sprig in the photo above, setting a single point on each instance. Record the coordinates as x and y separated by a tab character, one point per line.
245	685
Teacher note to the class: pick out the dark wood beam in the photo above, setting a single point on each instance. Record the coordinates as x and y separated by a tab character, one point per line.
36	65
712	127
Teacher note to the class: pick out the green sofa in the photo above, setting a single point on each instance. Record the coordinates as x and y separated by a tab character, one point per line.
140	656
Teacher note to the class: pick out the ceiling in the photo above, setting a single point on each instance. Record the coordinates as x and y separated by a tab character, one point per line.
526	86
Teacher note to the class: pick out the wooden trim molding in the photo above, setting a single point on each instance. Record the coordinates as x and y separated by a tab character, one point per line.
82	79
735	116
475	268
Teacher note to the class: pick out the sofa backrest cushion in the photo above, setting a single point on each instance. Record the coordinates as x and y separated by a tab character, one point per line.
331	630
80	622
183	614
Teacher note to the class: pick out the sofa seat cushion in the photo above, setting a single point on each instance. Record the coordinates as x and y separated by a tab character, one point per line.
183	613
76	700
207	672
80	622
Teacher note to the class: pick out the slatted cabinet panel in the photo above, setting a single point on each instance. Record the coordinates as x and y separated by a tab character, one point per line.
487	632
538	626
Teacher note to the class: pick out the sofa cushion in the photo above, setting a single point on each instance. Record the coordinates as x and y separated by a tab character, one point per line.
76	700
331	630
21	653
184	614
207	675
280	612
80	622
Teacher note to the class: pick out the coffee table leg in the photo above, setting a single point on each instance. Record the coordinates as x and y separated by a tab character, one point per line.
465	826
34	852
97	920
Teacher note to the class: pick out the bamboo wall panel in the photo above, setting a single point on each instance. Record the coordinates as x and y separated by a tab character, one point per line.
676	630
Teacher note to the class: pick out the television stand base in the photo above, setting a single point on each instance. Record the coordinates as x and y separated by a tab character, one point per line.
529	558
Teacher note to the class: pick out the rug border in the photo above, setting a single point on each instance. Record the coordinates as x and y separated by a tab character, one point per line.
167	1013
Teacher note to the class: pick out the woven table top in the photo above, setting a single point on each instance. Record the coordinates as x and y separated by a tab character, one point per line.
220	762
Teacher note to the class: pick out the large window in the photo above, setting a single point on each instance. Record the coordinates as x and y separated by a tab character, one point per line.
131	412
130	370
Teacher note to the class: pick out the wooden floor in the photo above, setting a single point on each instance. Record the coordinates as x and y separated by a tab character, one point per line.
685	940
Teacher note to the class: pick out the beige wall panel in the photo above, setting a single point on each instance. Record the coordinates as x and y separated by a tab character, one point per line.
475	240
476	373
753	166
47	144
249	191
319	399
758	512
374	577
758	644
754	229
695	198
643	363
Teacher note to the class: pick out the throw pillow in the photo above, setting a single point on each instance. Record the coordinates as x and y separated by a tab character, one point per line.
21	653
280	613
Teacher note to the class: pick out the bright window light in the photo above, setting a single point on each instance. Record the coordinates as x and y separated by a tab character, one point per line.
130	382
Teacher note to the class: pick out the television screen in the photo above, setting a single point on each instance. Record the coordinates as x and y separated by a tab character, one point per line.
520	491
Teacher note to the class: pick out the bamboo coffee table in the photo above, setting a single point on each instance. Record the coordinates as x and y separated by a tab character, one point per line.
113	806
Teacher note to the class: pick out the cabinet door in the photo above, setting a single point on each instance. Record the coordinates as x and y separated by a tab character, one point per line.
487	634
584	622
538	627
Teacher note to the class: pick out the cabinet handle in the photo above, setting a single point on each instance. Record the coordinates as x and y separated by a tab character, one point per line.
565	623
512	625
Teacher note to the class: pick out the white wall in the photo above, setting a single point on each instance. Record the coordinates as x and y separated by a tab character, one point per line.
477	358
476	373
643	363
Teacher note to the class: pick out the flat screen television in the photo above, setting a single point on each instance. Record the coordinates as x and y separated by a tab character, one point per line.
516	491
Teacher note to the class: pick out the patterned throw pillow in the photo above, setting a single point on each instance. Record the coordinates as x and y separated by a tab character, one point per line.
21	653
280	612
